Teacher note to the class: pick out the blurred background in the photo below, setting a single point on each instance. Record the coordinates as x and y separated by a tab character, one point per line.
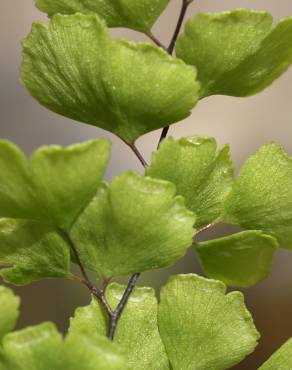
244	123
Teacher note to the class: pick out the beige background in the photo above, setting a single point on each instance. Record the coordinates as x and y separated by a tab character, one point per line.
244	123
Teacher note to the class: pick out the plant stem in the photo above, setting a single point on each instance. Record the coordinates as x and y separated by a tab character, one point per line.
155	40
170	49
136	152
97	293
121	306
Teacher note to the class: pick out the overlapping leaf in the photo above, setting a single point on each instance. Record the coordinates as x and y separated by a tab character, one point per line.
30	251
134	225
262	195
55	185
240	259
238	52
281	359
202	176
139	15
75	69
201	327
137	330
9	304
42	348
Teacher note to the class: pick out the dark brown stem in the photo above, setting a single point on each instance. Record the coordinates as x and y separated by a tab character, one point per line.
155	40
121	306
97	293
137	153
170	49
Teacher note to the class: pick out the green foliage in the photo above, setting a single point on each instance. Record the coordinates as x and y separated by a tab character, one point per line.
137	332
149	227
240	259
75	69
261	197
202	176
238	52
55	185
42	348
31	251
201	327
139	15
9	304
280	360
55	207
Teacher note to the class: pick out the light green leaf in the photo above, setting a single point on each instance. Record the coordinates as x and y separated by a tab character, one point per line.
9	304
262	195
139	15
30	251
240	259
135	224
238	52
92	353
34	348
55	185
201	327
137	330
280	360
202	176
42	348
75	69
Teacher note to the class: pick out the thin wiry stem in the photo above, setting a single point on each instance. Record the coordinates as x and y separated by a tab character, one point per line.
170	49
121	306
155	40
136	152
97	293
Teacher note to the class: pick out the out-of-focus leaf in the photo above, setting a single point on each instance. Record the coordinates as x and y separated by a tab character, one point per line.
202	176
135	224
137	331
34	348
281	359
92	353
261	198
201	327
9	304
42	348
240	259
139	15
238	52
30	251
75	69
55	185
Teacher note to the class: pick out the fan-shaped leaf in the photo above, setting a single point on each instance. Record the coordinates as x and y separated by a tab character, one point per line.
74	69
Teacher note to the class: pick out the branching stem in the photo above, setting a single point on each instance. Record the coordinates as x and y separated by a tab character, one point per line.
121	306
99	294
170	49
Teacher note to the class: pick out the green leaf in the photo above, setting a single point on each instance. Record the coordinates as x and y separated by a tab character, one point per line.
30	251
237	53
42	348
240	259
9	304
280	360
135	224
139	15
55	185
34	348
262	195
94	353
201	327
202	176
75	69
137	331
